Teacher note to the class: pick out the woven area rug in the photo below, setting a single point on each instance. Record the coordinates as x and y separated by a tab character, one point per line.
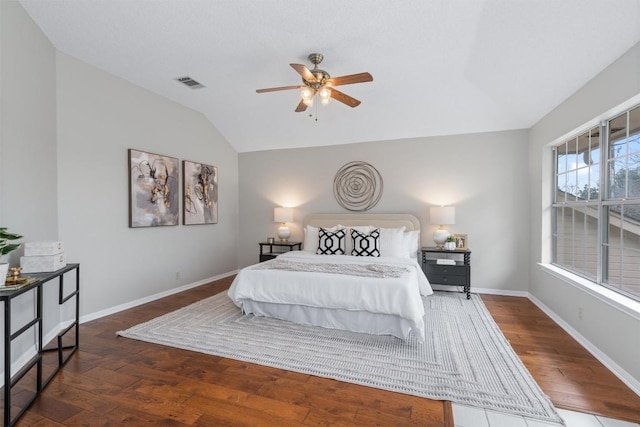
465	358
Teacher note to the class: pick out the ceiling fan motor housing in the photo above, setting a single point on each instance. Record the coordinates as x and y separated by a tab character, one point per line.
320	75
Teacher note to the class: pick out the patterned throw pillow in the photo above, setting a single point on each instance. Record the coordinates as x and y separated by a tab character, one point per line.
331	242
366	244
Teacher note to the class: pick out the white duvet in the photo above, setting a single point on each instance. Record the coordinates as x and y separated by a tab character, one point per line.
391	296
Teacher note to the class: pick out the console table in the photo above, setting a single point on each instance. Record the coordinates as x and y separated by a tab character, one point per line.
7	296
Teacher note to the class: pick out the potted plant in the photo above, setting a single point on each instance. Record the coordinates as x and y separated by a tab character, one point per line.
450	243
5	249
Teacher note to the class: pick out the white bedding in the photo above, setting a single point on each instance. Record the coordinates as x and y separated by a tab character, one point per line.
389	297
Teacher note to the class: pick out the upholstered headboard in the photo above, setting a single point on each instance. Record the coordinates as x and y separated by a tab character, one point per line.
409	221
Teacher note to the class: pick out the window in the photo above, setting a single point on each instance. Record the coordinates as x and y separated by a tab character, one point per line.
596	204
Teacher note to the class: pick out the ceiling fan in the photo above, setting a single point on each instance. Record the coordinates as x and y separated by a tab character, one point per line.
317	81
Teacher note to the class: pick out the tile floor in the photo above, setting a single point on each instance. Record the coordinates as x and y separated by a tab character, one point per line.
468	416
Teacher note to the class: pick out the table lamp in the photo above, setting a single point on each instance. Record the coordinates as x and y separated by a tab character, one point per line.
441	215
283	215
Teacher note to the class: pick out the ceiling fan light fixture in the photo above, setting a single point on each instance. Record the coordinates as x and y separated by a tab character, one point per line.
325	94
306	93
308	102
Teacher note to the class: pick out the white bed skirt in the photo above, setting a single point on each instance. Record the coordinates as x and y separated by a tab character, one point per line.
356	321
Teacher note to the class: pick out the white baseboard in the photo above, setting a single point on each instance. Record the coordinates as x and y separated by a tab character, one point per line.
131	304
623	375
503	292
488	291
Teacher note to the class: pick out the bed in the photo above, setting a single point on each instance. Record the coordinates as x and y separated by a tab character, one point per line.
379	295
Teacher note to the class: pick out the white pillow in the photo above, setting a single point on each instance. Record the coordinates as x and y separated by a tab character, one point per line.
391	242
411	244
311	237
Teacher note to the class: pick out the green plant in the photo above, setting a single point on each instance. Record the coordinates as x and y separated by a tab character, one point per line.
451	238
5	236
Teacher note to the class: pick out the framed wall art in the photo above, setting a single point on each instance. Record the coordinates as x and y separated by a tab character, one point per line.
200	193
462	241
153	189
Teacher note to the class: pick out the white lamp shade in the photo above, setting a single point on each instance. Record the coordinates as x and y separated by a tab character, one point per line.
282	214
442	215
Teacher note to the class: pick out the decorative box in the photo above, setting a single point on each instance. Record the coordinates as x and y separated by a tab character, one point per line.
42	264
43	248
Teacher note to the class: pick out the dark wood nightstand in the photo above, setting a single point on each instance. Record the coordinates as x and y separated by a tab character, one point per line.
271	254
443	274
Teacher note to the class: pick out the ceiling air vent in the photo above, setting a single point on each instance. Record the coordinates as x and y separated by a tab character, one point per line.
188	81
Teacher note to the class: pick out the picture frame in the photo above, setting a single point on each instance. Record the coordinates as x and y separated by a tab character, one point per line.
200	193
153	189
462	242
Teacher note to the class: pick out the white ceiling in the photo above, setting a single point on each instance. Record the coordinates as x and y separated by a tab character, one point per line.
440	67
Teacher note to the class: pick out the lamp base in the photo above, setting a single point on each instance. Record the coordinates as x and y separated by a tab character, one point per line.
284	233
440	236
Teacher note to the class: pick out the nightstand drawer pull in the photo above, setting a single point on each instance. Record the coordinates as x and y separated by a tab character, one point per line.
451	270
448	280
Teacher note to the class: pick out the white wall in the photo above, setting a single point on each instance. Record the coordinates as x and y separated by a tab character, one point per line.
28	169
613	332
65	128
99	117
483	175
28	128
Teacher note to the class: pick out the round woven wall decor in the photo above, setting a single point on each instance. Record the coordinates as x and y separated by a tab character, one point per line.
357	186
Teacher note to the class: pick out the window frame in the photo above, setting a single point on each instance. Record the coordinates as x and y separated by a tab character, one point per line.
603	202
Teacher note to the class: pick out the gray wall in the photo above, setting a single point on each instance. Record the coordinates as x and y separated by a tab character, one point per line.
65	130
28	169
483	175
28	200
99	117
612	331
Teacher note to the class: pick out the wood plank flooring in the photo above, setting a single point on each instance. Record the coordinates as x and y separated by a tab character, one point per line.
118	381
563	369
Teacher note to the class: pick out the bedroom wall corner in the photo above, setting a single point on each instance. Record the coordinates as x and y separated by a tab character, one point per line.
483	175
100	117
616	84
28	169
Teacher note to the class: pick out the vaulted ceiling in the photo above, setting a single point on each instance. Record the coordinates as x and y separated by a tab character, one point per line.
439	67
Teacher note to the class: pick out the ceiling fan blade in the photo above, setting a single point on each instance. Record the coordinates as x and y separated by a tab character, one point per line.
304	72
344	98
350	79
301	107
274	89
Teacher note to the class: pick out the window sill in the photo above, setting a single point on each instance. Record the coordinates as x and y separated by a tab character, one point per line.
614	299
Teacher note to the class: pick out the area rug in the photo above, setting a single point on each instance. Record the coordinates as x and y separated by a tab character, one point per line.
465	358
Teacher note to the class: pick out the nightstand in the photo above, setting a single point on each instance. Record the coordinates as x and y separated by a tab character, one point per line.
271	254
443	274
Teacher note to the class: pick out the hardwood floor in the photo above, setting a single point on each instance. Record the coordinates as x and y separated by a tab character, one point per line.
118	381
563	369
